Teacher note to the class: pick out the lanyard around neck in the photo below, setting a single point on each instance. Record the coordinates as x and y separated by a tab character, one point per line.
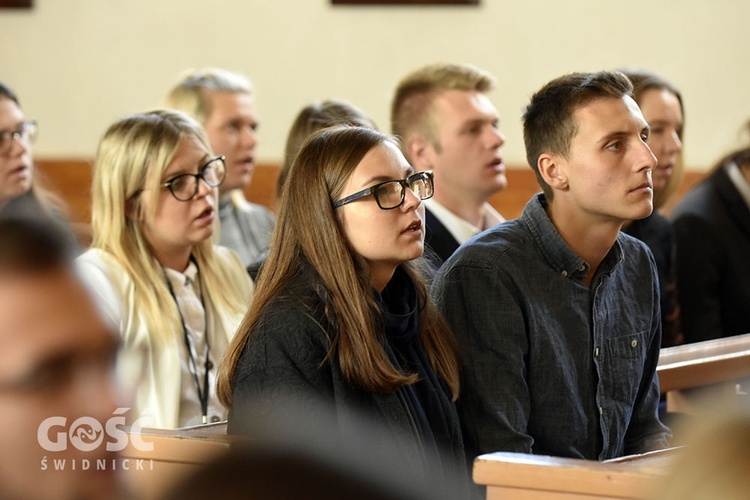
202	393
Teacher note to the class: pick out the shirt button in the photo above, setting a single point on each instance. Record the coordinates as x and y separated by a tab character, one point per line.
601	410
634	343
596	352
565	274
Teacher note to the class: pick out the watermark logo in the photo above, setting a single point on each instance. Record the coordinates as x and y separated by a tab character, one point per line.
88	434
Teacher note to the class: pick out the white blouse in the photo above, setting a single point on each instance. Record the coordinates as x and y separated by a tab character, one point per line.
162	379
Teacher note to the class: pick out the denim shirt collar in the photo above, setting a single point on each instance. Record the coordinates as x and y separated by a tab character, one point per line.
554	249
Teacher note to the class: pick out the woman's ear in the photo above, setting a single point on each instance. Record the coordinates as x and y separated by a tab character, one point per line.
131	208
553	168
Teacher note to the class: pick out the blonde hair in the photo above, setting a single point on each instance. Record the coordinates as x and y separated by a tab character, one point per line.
412	111
308	230
190	93
130	161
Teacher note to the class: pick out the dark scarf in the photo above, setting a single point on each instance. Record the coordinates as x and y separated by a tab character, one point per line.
426	400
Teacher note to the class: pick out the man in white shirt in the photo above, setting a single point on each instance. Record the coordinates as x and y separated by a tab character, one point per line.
447	124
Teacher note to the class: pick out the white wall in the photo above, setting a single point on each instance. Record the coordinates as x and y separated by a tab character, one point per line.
77	65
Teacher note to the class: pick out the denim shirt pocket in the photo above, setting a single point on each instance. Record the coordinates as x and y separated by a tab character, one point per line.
627	359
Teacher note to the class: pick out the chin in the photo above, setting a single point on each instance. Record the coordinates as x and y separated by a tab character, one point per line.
642	213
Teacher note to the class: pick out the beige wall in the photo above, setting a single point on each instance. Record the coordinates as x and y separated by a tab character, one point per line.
79	64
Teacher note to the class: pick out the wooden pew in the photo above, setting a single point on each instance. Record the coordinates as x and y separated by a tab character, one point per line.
519	476
718	364
175	455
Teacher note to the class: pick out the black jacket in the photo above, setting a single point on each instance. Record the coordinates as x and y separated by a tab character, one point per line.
439	242
284	365
712	236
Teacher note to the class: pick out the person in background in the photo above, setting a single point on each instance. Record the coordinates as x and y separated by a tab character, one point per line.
56	360
662	107
712	235
448	125
314	117
223	102
176	298
342	319
557	312
20	193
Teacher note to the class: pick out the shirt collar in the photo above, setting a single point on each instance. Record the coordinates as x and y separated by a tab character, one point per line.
734	174
557	253
461	229
180	280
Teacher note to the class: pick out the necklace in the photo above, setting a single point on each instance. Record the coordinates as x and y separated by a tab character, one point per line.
202	392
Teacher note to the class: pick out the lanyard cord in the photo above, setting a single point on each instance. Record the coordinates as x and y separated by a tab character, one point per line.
202	394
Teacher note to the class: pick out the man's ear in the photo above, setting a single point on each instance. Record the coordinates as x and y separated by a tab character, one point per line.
420	152
552	168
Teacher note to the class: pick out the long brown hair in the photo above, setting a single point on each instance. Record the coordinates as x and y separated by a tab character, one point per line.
308	230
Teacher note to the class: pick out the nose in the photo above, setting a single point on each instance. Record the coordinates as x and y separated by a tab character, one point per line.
203	188
647	160
94	390
18	145
411	200
675	143
497	139
249	137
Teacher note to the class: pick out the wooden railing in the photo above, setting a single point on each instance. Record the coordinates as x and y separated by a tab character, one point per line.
523	476
714	365
175	455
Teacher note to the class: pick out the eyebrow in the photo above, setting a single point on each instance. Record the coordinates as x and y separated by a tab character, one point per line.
481	120
183	171
665	122
384	178
14	127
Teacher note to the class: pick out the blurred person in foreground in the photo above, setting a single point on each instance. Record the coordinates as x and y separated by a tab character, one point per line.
56	361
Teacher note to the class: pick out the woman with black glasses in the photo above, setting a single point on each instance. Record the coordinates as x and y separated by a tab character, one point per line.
341	318
176	298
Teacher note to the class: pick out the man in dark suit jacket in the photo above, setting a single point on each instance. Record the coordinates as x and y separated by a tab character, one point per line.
448	125
712	231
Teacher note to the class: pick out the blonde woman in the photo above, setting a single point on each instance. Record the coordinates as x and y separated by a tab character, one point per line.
176	298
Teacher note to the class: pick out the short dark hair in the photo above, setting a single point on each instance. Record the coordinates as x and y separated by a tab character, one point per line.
548	123
30	244
6	91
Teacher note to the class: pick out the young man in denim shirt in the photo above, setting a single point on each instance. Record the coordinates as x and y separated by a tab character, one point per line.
557	312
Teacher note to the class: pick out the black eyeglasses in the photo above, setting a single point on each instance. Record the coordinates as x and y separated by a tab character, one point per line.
391	194
25	131
184	187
